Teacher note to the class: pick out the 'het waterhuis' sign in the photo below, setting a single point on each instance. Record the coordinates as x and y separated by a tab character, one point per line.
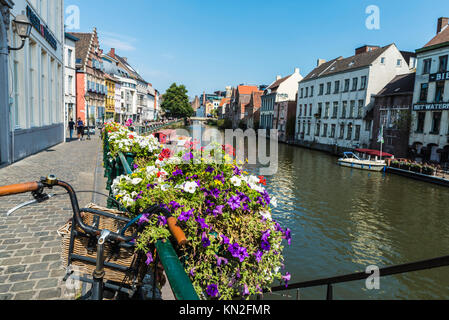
431	107
43	30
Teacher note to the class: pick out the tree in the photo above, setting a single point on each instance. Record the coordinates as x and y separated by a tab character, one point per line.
176	102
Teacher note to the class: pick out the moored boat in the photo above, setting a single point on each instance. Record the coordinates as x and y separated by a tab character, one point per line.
367	163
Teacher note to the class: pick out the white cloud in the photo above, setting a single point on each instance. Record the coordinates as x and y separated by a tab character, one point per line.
117	41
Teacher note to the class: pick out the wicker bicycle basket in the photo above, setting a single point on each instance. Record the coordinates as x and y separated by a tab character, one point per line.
122	257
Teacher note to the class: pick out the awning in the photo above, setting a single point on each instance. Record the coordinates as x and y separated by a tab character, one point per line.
375	153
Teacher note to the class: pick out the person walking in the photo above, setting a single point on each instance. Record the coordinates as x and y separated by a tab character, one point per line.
71	128
80	129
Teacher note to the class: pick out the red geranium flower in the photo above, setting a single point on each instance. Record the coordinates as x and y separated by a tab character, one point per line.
263	180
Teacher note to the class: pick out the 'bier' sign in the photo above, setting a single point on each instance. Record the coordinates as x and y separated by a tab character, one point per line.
439	76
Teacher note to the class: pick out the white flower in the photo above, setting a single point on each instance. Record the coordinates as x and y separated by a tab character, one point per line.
152	170
266	215
128	201
257	188
237	182
253	180
190	187
274	202
136	181
165	187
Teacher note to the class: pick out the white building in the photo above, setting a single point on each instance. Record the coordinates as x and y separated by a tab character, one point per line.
283	89
149	112
334	99
35	80
69	78
429	135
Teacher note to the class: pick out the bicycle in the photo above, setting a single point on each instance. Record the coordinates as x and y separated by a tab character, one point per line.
101	237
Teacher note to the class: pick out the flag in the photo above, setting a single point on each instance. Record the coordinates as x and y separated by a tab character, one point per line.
380	139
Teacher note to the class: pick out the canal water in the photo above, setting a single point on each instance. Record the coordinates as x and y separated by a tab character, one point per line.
344	220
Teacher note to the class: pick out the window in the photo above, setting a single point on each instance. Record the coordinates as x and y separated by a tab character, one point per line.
399	63
368	125
343	113
300	110
307	92
320	109
383	60
302	93
317	129
70	83
329	88
427	65
309	125
355	84
342	131
360	109
423	92
357	133
325	126
327	110
351	110
421	121
347	81
333	128
69	57
310	114
337	87
321	89
363	83
349	136
335	111
443	64
311	91
439	93
436	121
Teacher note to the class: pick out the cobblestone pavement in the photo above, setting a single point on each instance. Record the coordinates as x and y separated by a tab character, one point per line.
30	264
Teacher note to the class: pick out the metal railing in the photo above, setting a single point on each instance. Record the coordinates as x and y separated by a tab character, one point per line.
177	277
387	271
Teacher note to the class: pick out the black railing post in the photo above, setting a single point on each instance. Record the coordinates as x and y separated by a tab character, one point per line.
329	292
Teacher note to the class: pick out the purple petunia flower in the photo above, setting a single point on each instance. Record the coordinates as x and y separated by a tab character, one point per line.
234	202
210	169
177	172
265	245
234	249
175	206
287	278
188	156
212	290
149	258
162	221
192	272
225	239
135	166
245	290
259	255
185	216
237	171
243	254
218	210
205	240
287	236
221	261
214	192
144	218
202	223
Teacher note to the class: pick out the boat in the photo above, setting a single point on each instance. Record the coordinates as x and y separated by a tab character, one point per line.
166	137
351	160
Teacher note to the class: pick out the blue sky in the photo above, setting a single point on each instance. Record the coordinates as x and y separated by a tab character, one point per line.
209	44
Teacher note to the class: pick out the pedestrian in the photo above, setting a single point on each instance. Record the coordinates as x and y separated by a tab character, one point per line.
71	127
80	129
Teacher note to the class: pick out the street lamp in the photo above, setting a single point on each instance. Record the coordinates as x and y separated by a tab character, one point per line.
22	26
87	98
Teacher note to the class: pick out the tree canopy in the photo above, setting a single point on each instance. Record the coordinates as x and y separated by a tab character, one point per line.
176	102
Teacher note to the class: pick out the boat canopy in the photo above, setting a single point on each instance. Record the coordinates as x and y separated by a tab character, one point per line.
375	153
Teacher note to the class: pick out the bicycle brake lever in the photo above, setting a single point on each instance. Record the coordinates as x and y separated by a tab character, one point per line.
28	203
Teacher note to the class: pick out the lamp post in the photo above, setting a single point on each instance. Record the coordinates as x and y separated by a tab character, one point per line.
22	26
87	98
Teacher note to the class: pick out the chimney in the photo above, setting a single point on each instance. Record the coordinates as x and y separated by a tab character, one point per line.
365	49
296	70
125	58
442	22
320	62
278	78
112	52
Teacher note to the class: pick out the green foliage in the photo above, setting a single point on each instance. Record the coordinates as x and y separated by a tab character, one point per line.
176	102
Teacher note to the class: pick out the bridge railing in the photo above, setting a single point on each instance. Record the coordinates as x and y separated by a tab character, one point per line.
387	271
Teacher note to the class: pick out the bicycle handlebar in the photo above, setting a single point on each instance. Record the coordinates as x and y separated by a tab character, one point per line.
20	188
51	181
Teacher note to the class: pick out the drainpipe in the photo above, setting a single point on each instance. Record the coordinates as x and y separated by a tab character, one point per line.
4	80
